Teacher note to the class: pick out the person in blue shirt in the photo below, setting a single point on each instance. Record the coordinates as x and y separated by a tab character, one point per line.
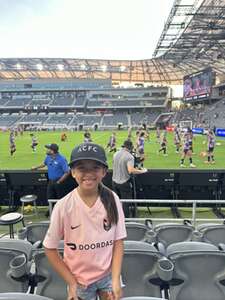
58	169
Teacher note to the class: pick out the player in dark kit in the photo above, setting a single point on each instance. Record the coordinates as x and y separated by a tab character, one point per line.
34	142
211	145
12	144
163	145
187	152
112	143
87	137
177	140
190	137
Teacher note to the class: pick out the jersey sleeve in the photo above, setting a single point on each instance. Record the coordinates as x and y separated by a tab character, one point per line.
120	232
55	231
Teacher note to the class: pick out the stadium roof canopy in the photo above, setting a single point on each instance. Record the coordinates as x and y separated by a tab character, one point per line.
193	38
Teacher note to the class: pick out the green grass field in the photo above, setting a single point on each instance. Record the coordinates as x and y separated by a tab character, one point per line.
24	158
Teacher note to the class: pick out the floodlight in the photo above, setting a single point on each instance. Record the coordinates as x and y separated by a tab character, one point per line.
104	68
40	67
60	67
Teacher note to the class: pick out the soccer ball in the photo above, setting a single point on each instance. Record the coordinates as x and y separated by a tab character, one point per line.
203	154
28	208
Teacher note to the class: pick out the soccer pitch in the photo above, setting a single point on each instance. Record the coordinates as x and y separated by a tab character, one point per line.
24	158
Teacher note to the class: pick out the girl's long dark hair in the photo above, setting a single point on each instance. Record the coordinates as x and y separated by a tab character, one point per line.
109	203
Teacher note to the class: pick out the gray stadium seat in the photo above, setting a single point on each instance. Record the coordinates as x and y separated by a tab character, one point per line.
34	232
199	271
135	231
14	263
139	268
49	283
21	296
212	233
169	233
17	245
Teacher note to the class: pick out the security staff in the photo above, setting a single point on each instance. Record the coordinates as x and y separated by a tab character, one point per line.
58	169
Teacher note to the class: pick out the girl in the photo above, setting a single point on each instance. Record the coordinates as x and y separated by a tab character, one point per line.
90	220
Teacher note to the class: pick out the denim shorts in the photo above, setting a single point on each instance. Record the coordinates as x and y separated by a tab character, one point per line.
91	291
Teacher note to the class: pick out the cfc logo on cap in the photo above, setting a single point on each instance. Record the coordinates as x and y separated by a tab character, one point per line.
87	148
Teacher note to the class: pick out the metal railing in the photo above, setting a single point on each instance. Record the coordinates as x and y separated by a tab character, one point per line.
194	203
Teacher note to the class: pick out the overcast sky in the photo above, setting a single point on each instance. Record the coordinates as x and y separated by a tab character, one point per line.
113	29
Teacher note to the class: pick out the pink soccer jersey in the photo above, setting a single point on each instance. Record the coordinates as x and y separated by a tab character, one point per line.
88	237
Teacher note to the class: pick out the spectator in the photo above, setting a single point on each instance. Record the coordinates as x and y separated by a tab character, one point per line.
123	167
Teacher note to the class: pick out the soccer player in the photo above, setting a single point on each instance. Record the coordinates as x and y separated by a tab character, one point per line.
63	137
12	144
187	152
158	135
140	147
190	136
34	142
87	137
129	135
163	144
211	145
112	143
177	139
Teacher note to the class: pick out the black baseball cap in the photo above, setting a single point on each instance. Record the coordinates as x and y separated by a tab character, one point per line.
88	151
53	147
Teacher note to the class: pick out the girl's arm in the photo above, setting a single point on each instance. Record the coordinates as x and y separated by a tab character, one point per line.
58	264
117	260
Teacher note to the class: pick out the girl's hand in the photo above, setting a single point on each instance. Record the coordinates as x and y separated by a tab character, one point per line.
72	292
117	291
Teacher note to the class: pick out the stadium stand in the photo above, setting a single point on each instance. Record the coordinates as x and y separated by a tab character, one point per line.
138	118
112	120
58	119
7	120
62	102
34	118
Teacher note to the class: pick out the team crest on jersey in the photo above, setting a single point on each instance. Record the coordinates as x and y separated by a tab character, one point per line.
107	226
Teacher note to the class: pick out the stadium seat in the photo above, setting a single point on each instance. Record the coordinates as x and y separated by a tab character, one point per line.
18	245
34	232
199	271
49	283
139	270
21	296
135	231
169	233
15	265
212	233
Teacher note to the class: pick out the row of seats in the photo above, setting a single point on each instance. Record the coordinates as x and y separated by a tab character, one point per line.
23	296
157	258
162	235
